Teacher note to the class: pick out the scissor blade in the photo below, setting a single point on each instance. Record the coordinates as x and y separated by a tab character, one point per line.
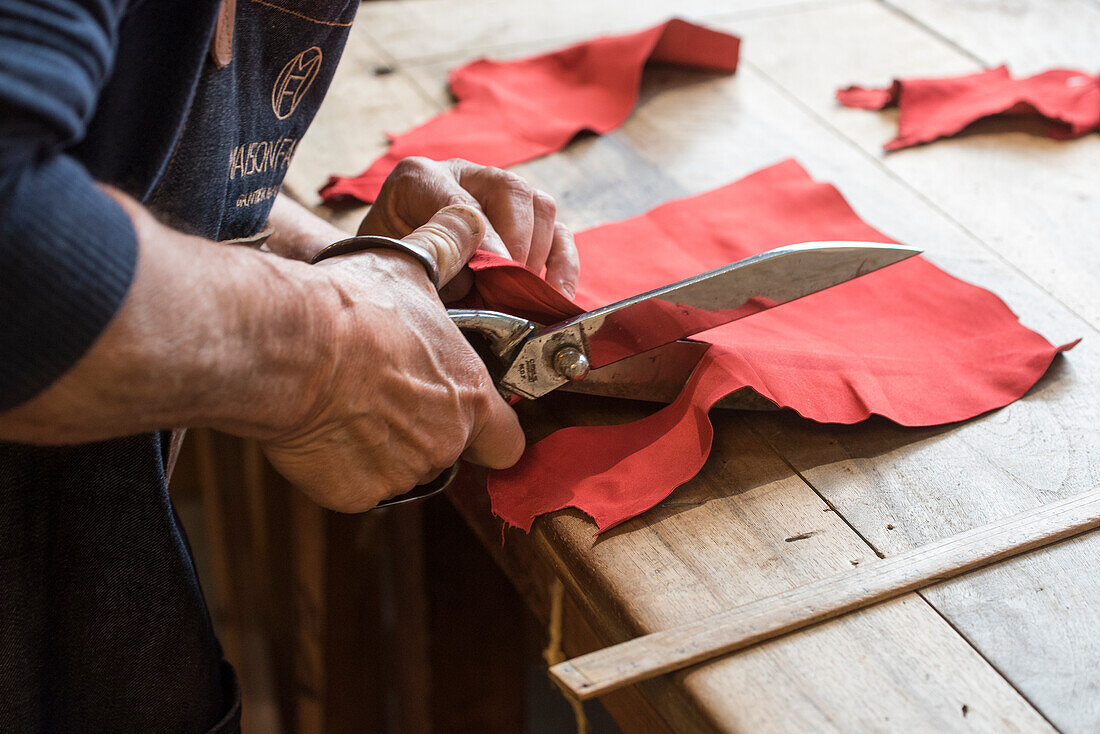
693	305
658	376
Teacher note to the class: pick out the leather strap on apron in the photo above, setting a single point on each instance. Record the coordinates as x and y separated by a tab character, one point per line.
221	45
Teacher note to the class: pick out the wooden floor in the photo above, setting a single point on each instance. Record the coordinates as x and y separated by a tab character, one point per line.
1014	647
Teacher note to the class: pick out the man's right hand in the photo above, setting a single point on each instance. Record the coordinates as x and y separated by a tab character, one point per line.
404	394
349	372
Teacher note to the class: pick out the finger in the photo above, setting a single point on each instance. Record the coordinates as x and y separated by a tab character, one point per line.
500	441
409	196
494	244
417	188
451	236
508	202
457	288
439	185
542	235
563	265
491	242
426	478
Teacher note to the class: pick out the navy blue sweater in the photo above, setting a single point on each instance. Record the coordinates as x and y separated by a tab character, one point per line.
67	252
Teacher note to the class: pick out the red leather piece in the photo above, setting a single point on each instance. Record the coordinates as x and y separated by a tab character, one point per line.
909	342
934	108
513	111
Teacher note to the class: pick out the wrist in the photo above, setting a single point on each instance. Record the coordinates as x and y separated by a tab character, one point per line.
298	233
299	336
276	346
365	243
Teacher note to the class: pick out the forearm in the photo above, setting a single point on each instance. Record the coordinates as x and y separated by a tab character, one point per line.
297	232
350	372
103	335
207	335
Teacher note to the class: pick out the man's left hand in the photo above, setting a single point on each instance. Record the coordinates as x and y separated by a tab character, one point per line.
522	224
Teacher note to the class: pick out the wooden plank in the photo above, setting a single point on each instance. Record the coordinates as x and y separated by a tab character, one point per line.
431	29
476	624
1030	198
1031	617
1034	617
389	37
309	591
632	711
326	618
354	696
1029	35
280	592
720	541
335	621
411	644
613	668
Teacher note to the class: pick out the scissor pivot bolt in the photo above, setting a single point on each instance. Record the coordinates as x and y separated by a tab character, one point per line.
570	363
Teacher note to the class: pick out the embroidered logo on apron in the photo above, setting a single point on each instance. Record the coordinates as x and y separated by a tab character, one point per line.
293	81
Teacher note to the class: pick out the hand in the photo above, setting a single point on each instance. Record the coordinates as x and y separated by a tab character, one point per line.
349	373
521	218
405	395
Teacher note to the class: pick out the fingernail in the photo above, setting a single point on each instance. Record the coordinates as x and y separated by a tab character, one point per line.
467	214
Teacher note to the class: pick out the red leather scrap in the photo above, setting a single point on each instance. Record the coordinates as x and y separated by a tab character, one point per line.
909	342
934	108
513	111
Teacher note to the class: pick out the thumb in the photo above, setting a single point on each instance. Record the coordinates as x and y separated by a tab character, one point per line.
499	442
451	236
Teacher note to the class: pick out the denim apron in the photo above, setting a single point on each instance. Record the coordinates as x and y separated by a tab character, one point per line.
103	627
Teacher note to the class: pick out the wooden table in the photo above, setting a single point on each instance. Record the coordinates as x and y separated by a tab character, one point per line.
1015	647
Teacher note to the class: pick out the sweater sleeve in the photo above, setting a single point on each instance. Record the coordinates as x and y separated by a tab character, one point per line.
67	252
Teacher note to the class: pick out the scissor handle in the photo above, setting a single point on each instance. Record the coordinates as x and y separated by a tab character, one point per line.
423	491
505	333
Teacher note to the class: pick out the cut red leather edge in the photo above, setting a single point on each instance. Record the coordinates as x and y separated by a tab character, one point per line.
909	342
929	109
869	98
513	111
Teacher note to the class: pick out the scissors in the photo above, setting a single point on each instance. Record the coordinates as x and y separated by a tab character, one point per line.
638	348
